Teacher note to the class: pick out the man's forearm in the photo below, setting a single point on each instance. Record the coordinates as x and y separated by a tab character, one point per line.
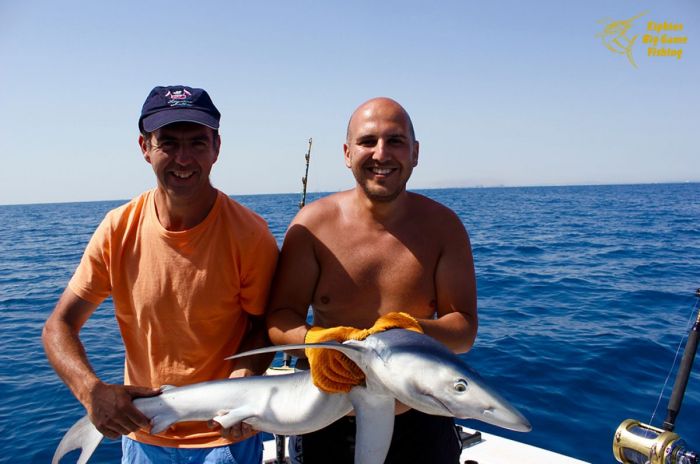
256	337
67	355
285	327
456	330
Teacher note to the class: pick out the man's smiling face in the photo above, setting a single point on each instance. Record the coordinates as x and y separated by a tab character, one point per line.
182	155
381	149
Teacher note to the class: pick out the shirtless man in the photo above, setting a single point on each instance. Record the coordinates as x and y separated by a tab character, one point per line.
357	255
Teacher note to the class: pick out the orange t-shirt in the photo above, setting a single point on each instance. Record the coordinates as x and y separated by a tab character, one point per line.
181	298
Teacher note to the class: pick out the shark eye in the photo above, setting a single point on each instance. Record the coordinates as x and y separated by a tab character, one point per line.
460	386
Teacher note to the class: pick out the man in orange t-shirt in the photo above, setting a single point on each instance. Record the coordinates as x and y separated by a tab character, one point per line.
189	272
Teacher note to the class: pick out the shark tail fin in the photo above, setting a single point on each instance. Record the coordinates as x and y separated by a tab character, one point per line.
82	435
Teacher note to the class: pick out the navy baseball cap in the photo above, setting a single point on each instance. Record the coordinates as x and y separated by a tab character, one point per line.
178	103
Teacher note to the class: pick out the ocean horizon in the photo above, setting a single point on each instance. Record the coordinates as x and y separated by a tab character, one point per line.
586	294
418	190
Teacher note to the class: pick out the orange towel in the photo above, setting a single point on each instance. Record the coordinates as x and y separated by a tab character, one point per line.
331	370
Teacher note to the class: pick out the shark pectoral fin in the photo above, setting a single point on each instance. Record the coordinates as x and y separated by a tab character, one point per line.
348	350
230	418
375	424
353	349
81	435
161	422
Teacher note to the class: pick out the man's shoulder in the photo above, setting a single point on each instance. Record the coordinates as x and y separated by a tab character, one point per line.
126	212
242	216
230	204
436	219
424	205
321	210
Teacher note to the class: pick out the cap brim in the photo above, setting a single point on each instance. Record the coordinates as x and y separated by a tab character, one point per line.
163	118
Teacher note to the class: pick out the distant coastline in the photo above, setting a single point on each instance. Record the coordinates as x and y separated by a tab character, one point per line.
417	189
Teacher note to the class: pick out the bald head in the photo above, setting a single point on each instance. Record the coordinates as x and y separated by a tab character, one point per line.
379	105
381	149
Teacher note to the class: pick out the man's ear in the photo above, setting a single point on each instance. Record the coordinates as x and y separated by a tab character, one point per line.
416	147
144	148
217	146
346	153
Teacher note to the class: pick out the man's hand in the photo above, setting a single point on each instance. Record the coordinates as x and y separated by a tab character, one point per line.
112	411
331	370
240	431
235	433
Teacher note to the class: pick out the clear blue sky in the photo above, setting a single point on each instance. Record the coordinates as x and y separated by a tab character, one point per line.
500	92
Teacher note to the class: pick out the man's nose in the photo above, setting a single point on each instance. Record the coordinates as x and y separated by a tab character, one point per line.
381	151
183	155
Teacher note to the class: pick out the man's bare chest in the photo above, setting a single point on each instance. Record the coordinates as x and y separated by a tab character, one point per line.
379	267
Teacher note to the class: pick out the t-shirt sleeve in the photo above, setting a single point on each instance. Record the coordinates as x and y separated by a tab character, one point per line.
258	269
91	280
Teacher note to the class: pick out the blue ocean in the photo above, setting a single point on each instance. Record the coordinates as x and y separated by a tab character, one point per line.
586	296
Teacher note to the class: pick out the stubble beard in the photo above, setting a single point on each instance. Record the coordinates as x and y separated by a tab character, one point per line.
380	195
378	191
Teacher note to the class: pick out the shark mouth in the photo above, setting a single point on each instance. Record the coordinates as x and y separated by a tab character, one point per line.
440	405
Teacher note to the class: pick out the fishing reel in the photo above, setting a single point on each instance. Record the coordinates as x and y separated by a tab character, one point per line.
638	443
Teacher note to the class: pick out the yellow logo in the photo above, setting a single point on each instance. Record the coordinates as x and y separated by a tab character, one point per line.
665	39
614	36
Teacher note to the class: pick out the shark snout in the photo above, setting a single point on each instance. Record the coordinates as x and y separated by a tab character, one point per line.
490	407
507	417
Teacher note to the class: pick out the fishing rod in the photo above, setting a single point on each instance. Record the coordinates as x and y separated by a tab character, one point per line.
286	358
304	179
639	443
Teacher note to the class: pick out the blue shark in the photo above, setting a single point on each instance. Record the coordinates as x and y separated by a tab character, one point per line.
398	364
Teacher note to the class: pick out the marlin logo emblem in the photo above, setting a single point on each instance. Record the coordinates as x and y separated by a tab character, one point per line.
614	36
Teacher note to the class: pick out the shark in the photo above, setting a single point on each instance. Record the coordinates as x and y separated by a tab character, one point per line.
402	365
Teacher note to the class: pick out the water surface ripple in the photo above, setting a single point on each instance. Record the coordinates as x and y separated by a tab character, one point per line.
585	294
